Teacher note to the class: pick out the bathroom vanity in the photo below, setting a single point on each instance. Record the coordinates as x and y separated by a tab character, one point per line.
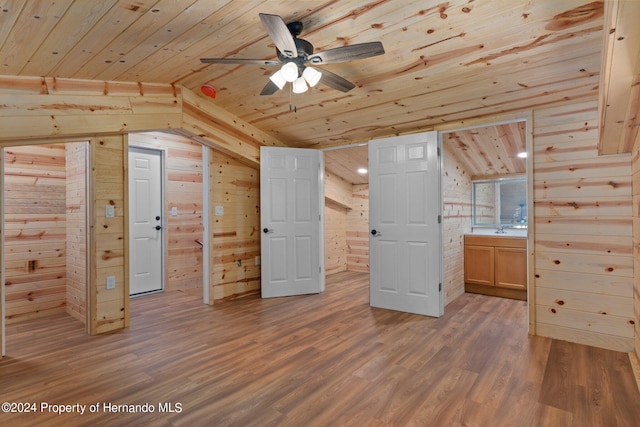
496	265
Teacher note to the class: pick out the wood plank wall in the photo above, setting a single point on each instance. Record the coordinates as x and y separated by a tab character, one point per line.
35	231
236	234
335	237
583	261
583	232
76	225
456	217
358	229
108	243
636	252
486	202
337	196
40	107
183	172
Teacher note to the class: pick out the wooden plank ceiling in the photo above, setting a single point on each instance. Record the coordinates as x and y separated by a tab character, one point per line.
457	61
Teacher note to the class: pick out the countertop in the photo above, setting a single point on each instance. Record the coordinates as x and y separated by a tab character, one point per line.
508	232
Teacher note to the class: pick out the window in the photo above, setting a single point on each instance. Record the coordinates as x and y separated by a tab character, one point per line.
499	202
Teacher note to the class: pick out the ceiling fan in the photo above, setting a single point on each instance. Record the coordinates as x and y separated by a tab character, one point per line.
294	54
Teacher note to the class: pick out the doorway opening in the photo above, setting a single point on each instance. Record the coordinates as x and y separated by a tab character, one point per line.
183	212
346	209
464	151
45	231
485	154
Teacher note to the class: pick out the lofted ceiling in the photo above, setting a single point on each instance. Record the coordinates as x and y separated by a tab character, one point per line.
456	61
490	150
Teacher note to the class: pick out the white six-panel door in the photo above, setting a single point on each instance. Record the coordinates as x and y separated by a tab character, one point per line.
291	204
146	235
405	231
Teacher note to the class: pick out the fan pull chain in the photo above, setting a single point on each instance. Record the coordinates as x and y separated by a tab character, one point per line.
295	108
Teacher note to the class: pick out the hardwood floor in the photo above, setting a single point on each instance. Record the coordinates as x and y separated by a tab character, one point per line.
315	360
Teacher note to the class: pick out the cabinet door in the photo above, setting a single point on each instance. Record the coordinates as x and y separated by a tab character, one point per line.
478	265
511	268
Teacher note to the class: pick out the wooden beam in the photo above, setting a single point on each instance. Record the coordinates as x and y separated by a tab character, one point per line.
215	127
619	105
39	108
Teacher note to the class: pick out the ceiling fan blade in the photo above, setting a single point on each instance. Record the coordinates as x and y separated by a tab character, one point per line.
335	81
269	89
280	34
347	53
239	61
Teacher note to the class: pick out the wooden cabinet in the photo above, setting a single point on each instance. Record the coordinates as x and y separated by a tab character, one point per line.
496	265
479	265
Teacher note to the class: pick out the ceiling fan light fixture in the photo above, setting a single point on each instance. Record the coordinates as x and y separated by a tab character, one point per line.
299	85
312	76
278	79
289	72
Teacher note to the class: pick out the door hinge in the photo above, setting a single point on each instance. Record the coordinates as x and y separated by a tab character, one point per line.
319	217
440	287
438	151
439	219
320	269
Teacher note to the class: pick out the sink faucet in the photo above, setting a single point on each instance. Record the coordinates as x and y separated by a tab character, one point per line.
500	229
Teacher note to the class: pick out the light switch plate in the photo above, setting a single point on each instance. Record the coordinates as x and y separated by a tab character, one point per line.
110	211
174	211
219	210
111	282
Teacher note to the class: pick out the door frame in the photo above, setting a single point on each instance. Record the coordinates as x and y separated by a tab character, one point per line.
163	204
205	222
526	117
206	200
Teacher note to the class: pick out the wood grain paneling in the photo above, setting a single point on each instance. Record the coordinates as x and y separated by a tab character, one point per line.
108	242
583	276
345	162
76	223
619	91
37	107
455	61
490	150
636	253
183	191
335	238
358	229
337	193
236	235
456	218
35	231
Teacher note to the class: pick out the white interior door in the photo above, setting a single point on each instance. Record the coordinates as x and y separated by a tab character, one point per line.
291	201
404	217
146	234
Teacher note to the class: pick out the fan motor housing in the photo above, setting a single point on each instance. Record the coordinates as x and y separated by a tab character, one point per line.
304	49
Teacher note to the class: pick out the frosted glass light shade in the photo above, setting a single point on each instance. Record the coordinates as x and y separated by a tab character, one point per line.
312	76
299	86
278	79
289	72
